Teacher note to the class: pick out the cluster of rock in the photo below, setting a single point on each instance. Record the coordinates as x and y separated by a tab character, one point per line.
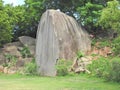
14	50
80	64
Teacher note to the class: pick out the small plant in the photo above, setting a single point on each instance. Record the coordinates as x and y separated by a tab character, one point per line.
10	60
25	52
62	67
80	54
30	68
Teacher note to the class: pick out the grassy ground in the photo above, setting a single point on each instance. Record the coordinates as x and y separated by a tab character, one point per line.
77	82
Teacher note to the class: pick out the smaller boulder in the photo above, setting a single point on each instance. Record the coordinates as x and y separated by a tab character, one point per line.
12	50
26	40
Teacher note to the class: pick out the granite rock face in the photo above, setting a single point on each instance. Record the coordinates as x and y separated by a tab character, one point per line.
58	36
29	42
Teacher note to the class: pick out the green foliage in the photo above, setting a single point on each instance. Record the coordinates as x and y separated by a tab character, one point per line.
110	16
30	68
5	24
89	14
62	67
25	52
10	60
104	42
107	68
100	67
80	54
114	73
116	46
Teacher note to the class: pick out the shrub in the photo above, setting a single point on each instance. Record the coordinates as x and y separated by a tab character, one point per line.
62	67
114	72
107	69
80	54
100	67
30	68
10	60
116	46
25	52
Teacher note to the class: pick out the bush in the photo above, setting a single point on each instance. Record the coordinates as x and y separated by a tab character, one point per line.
109	69
100	67
30	68
62	67
114	73
10	60
25	52
116	46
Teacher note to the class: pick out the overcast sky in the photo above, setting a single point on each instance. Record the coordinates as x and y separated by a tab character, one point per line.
14	2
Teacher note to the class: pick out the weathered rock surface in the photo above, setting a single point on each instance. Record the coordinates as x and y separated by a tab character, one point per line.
12	50
2	59
58	36
79	65
28	41
7	53
17	44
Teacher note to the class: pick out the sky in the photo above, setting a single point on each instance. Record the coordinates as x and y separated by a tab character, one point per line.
14	2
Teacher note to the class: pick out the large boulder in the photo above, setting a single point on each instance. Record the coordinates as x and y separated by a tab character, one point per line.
58	36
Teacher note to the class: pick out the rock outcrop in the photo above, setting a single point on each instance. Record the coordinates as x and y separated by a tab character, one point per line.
11	58
58	36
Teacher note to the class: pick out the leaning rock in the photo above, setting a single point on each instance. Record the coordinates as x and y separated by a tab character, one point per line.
58	36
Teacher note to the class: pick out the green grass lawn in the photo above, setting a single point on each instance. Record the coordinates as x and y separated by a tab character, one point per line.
77	82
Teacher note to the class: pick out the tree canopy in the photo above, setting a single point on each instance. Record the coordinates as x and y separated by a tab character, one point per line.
21	20
110	16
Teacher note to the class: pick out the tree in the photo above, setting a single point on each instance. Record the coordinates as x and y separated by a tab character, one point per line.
110	17
6	21
89	14
32	14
